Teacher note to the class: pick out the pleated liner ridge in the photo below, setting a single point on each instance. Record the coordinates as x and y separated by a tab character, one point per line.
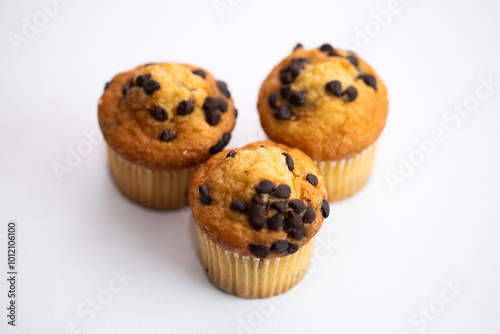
345	177
251	277
153	188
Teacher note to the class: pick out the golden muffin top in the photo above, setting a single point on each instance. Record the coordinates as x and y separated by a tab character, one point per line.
325	101
166	115
264	200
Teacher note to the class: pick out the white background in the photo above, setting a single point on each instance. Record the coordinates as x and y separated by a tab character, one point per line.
391	252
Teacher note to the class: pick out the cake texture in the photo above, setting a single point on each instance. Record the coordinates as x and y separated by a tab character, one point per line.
163	118
257	211
328	102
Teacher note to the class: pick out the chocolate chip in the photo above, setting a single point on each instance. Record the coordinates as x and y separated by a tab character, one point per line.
280	246
185	108
222	104
106	86
282	191
300	60
201	73
211	103
369	80
353	60
298	46
223	88
289	161
231	154
150	86
292	249
297	97
272	99
285	91
259	199
293	220
283	112
213	117
139	82
289	73
167	135
326	48
297	205
275	222
309	216
312	179
126	88
260	251
149	64
298	233
351	92
256	215
235	113
238	206
334	87
279	205
158	113
210	107
205	196
264	187
226	137
325	208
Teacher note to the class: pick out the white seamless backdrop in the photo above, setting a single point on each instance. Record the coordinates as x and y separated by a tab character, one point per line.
416	251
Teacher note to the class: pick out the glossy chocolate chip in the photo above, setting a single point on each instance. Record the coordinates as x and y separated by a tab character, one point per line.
185	108
289	73
222	103
158	113
325	208
212	117
369	80
150	86
226	137
298	46
210	107
282	191
289	161
283	112
235	113
297	205
334	87
351	93
292	249
309	215
258	199
238	206
296	97
280	206
312	179
264	187
272	99
205	196
325	48
285	91
275	222
231	154
167	135
257	215
260	251
211	103
298	233
353	60
201	73
293	220
139	82
223	88
106	86
280	246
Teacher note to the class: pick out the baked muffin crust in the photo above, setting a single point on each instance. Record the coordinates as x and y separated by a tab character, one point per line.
166	115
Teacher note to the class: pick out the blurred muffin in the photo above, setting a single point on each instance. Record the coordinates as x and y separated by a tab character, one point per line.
257	211
333	106
160	122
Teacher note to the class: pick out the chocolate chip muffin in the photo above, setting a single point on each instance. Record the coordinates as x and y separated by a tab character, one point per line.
333	106
257	211
161	121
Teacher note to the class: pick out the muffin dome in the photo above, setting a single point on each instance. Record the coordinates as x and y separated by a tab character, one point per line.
263	200
166	115
325	101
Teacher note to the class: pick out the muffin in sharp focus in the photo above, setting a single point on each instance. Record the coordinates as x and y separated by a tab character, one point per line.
333	106
257	211
160	122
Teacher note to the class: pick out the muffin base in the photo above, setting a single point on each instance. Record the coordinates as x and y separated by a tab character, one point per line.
251	277
153	188
345	177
